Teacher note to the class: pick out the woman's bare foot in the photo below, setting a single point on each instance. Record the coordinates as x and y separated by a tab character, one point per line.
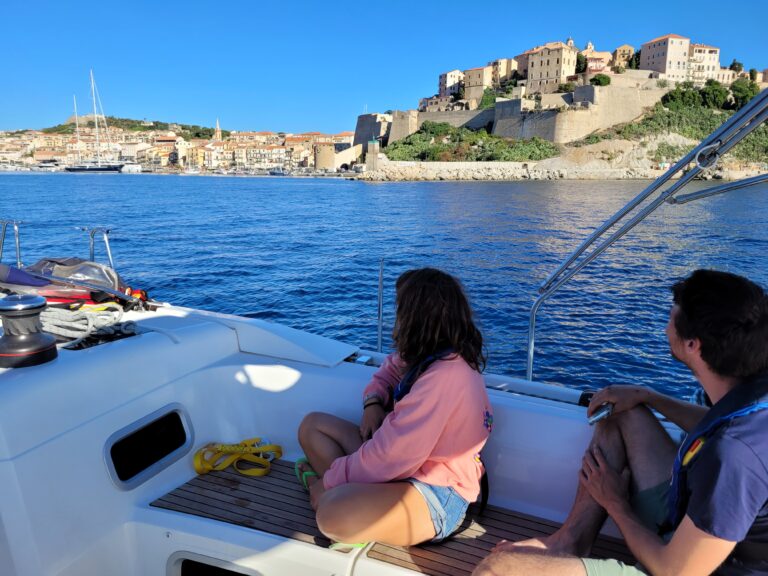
309	479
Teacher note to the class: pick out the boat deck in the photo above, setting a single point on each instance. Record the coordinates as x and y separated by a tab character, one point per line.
277	504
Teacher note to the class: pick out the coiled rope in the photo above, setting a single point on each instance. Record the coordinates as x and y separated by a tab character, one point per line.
84	322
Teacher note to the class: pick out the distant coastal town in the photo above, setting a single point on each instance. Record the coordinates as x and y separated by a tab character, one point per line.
553	111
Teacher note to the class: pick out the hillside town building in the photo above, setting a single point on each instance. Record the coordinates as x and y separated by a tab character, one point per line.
597	61
476	80
667	55
550	65
502	71
449	83
622	55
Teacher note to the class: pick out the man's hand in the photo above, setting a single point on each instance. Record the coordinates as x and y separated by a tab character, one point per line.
623	398
604	484
373	416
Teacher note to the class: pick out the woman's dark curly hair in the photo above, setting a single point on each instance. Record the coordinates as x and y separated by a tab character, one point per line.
433	314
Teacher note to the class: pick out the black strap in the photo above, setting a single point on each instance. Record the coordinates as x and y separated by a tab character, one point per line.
485	491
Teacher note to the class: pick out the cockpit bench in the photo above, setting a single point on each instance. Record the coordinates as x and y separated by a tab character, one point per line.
277	504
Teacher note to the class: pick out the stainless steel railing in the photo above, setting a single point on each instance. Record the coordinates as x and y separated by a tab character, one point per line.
704	156
91	241
15	224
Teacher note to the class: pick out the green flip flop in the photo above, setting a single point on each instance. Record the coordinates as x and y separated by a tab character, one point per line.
302	476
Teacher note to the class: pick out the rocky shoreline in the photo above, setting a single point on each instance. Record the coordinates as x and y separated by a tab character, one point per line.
482	173
607	160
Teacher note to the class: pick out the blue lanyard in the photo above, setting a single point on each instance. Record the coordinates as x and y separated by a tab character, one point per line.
675	510
405	385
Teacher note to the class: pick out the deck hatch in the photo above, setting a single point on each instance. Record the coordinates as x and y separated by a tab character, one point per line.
141	450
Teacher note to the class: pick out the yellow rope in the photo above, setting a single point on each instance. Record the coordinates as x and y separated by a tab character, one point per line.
254	451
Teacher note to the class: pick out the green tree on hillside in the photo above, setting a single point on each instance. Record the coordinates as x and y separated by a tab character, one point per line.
581	63
753	74
684	95
634	62
714	94
600	80
736	66
488	100
743	91
439	141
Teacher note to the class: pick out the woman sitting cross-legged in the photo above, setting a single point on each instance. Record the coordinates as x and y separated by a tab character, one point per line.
407	472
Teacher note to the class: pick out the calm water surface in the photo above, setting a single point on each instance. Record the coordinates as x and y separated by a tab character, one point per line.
305	253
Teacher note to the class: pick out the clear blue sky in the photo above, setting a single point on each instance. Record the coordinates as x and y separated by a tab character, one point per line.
307	64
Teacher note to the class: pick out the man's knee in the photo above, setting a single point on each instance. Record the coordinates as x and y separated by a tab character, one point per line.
640	415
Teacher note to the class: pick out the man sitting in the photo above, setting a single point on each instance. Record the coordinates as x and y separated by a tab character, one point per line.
713	516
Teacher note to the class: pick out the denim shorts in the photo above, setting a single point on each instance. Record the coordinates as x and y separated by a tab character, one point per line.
446	507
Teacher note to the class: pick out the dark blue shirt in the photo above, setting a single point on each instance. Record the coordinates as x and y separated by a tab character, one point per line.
727	486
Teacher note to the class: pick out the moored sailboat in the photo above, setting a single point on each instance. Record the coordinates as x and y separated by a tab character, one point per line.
97	164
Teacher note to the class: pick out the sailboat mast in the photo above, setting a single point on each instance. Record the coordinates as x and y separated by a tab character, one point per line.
77	130
96	122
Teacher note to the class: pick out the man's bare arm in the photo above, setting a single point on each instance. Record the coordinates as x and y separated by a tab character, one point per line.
683	414
691	552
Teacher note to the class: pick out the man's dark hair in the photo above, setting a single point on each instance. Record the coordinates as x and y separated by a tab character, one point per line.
433	314
729	316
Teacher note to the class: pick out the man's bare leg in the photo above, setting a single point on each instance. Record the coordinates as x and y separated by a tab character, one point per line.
634	438
526	562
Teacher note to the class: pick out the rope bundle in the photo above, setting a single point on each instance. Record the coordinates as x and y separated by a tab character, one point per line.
84	322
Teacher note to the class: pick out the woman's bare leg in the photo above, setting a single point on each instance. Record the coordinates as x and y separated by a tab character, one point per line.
325	437
394	513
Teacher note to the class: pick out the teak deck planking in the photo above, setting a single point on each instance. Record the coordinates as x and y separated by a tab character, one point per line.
277	504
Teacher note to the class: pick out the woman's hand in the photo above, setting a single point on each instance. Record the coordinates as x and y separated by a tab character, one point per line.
623	398
604	484
373	416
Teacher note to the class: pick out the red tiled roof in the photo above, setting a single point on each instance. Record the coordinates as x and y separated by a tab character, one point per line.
667	36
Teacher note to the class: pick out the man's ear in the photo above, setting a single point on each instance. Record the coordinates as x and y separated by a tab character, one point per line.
693	345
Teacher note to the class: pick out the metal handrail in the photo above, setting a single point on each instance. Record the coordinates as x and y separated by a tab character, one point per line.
91	241
704	156
721	189
15	224
380	308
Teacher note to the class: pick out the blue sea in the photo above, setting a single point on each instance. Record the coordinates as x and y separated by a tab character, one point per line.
306	253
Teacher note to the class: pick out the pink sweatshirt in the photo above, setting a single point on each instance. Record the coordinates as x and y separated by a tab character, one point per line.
434	434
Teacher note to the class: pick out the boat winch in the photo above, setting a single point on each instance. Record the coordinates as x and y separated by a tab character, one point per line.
23	342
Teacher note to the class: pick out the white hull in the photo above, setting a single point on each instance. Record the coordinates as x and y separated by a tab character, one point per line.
233	378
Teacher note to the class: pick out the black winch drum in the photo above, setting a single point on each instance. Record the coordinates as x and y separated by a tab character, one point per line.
23	342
